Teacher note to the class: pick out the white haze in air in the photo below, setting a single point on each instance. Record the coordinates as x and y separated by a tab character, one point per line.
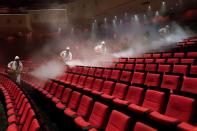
51	69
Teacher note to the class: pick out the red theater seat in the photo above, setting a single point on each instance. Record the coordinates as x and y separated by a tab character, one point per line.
164	68
119	66
129	66
85	70
83	109
138	78
96	119
125	76
123	60
75	80
143	127
183	69
193	70
107	73
81	82
156	55
153	101
52	90
152	79
91	71
149	60
151	67
187	61
166	55
65	97
160	60
131	60
138	60
107	88
147	55
88	84
183	126
172	60
69	79
176	111
98	72
115	75
118	92
139	67
179	54
189	85
192	54
118	122
134	95
97	85
170	82
58	94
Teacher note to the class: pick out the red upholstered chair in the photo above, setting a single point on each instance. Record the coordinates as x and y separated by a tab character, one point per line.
143	127
138	78
189	85
125	76
170	82
164	68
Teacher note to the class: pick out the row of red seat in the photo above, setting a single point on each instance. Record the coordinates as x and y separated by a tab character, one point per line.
160	68
121	94
20	114
158	80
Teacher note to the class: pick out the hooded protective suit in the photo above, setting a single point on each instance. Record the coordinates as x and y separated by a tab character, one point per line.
16	68
101	48
66	55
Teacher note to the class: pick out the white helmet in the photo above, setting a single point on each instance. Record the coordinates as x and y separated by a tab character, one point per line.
102	42
67	48
16	58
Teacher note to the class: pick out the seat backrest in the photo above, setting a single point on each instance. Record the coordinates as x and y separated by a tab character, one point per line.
85	106
147	55
118	122
149	60
192	54
107	87
183	69
119	66
152	80
79	69
143	127
81	80
172	60
85	70
154	100
98	115
138	78
89	81
131	60
29	119
107	73
134	95
170	82
166	55
123	60
193	70
189	85
48	86
151	67
74	100
75	79
119	90
125	76
53	88
115	75
156	55
69	78
180	107
129	66
187	61
160	60
99	72
34	126
91	71
59	91
139	60
179	54
25	113
66	95
97	85
164	68
139	67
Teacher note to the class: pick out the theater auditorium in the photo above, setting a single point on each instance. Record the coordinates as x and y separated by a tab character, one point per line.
98	65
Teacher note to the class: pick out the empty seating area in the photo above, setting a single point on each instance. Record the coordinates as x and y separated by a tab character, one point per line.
153	92
20	114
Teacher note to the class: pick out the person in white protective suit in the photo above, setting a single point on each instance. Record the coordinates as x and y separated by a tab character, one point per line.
66	55
164	31
15	69
101	48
